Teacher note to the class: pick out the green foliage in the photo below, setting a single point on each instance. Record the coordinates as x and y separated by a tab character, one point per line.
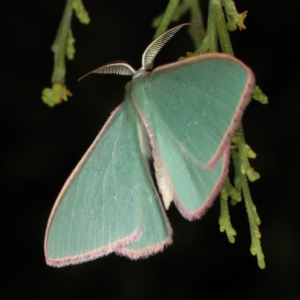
63	47
80	11
234	19
259	96
57	94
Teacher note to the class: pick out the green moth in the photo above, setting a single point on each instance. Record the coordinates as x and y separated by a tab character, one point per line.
180	116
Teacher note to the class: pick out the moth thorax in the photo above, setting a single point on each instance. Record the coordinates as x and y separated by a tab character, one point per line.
138	73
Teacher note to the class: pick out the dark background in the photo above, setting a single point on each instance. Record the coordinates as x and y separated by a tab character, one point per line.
41	145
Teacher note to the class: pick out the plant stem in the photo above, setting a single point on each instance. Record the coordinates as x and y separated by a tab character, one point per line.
197	33
221	27
211	30
59	45
166	19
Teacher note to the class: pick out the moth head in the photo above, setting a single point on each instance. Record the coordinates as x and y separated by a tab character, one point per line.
123	68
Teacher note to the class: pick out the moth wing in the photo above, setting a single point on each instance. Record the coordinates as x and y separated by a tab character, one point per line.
201	100
101	207
191	110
